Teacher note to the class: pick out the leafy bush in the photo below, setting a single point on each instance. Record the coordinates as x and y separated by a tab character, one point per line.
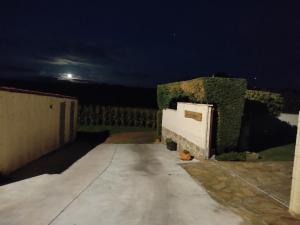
232	156
89	115
291	101
260	127
171	145
265	131
263	102
227	95
158	123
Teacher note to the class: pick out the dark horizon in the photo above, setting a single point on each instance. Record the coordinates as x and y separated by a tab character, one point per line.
144	45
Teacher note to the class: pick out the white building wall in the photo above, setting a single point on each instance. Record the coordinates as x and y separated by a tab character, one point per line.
291	119
295	190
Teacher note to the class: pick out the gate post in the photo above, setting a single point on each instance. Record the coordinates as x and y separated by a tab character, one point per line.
295	190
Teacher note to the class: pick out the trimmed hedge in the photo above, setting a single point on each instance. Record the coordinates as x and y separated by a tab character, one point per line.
89	115
226	94
291	101
158	123
260	128
263	102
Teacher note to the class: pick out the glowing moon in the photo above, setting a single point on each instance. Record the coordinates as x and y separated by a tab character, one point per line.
69	76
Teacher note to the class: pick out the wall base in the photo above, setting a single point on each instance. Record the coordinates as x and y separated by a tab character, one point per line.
183	144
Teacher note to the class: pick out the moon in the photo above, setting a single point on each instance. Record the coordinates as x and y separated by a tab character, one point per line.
69	76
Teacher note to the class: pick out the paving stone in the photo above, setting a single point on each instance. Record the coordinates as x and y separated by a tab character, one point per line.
235	192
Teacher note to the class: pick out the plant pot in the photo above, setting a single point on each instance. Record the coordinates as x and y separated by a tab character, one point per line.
172	146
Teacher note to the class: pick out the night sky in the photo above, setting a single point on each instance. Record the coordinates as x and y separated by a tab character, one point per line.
139	44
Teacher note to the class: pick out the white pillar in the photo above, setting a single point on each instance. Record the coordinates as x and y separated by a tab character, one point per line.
295	191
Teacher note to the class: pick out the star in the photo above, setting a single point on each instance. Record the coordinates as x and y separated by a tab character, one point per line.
173	35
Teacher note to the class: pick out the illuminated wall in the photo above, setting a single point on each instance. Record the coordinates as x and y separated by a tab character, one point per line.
295	190
190	127
33	124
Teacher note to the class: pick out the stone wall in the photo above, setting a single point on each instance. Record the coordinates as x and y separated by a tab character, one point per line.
183	143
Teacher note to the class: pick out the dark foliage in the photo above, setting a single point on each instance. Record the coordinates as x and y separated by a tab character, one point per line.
291	101
227	95
171	145
232	156
262	102
261	129
265	131
93	115
158	123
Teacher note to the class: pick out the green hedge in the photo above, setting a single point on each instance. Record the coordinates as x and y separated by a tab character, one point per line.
227	95
158	123
89	115
261	128
262	102
291	101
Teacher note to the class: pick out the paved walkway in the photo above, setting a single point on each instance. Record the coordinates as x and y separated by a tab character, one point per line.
114	184
240	186
274	178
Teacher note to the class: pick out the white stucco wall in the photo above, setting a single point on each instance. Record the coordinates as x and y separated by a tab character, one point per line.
295	190
30	126
292	119
197	132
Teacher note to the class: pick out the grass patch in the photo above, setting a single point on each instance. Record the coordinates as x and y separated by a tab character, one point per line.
281	153
232	156
112	129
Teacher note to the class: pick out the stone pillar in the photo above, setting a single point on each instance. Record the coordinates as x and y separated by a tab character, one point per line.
295	191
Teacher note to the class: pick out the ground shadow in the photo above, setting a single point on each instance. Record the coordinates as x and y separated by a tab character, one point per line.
261	130
58	161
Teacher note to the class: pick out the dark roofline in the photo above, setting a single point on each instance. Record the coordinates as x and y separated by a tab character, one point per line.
12	89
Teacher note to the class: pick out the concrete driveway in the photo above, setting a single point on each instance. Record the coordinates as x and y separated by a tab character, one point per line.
114	184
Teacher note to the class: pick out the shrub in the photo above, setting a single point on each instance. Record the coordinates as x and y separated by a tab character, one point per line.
265	131
226	94
260	128
116	116
263	102
91	115
97	115
84	114
137	116
131	116
158	123
291	101
121	116
103	115
171	145
143	118
232	156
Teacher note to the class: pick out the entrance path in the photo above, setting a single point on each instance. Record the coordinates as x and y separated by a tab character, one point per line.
255	190
114	184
